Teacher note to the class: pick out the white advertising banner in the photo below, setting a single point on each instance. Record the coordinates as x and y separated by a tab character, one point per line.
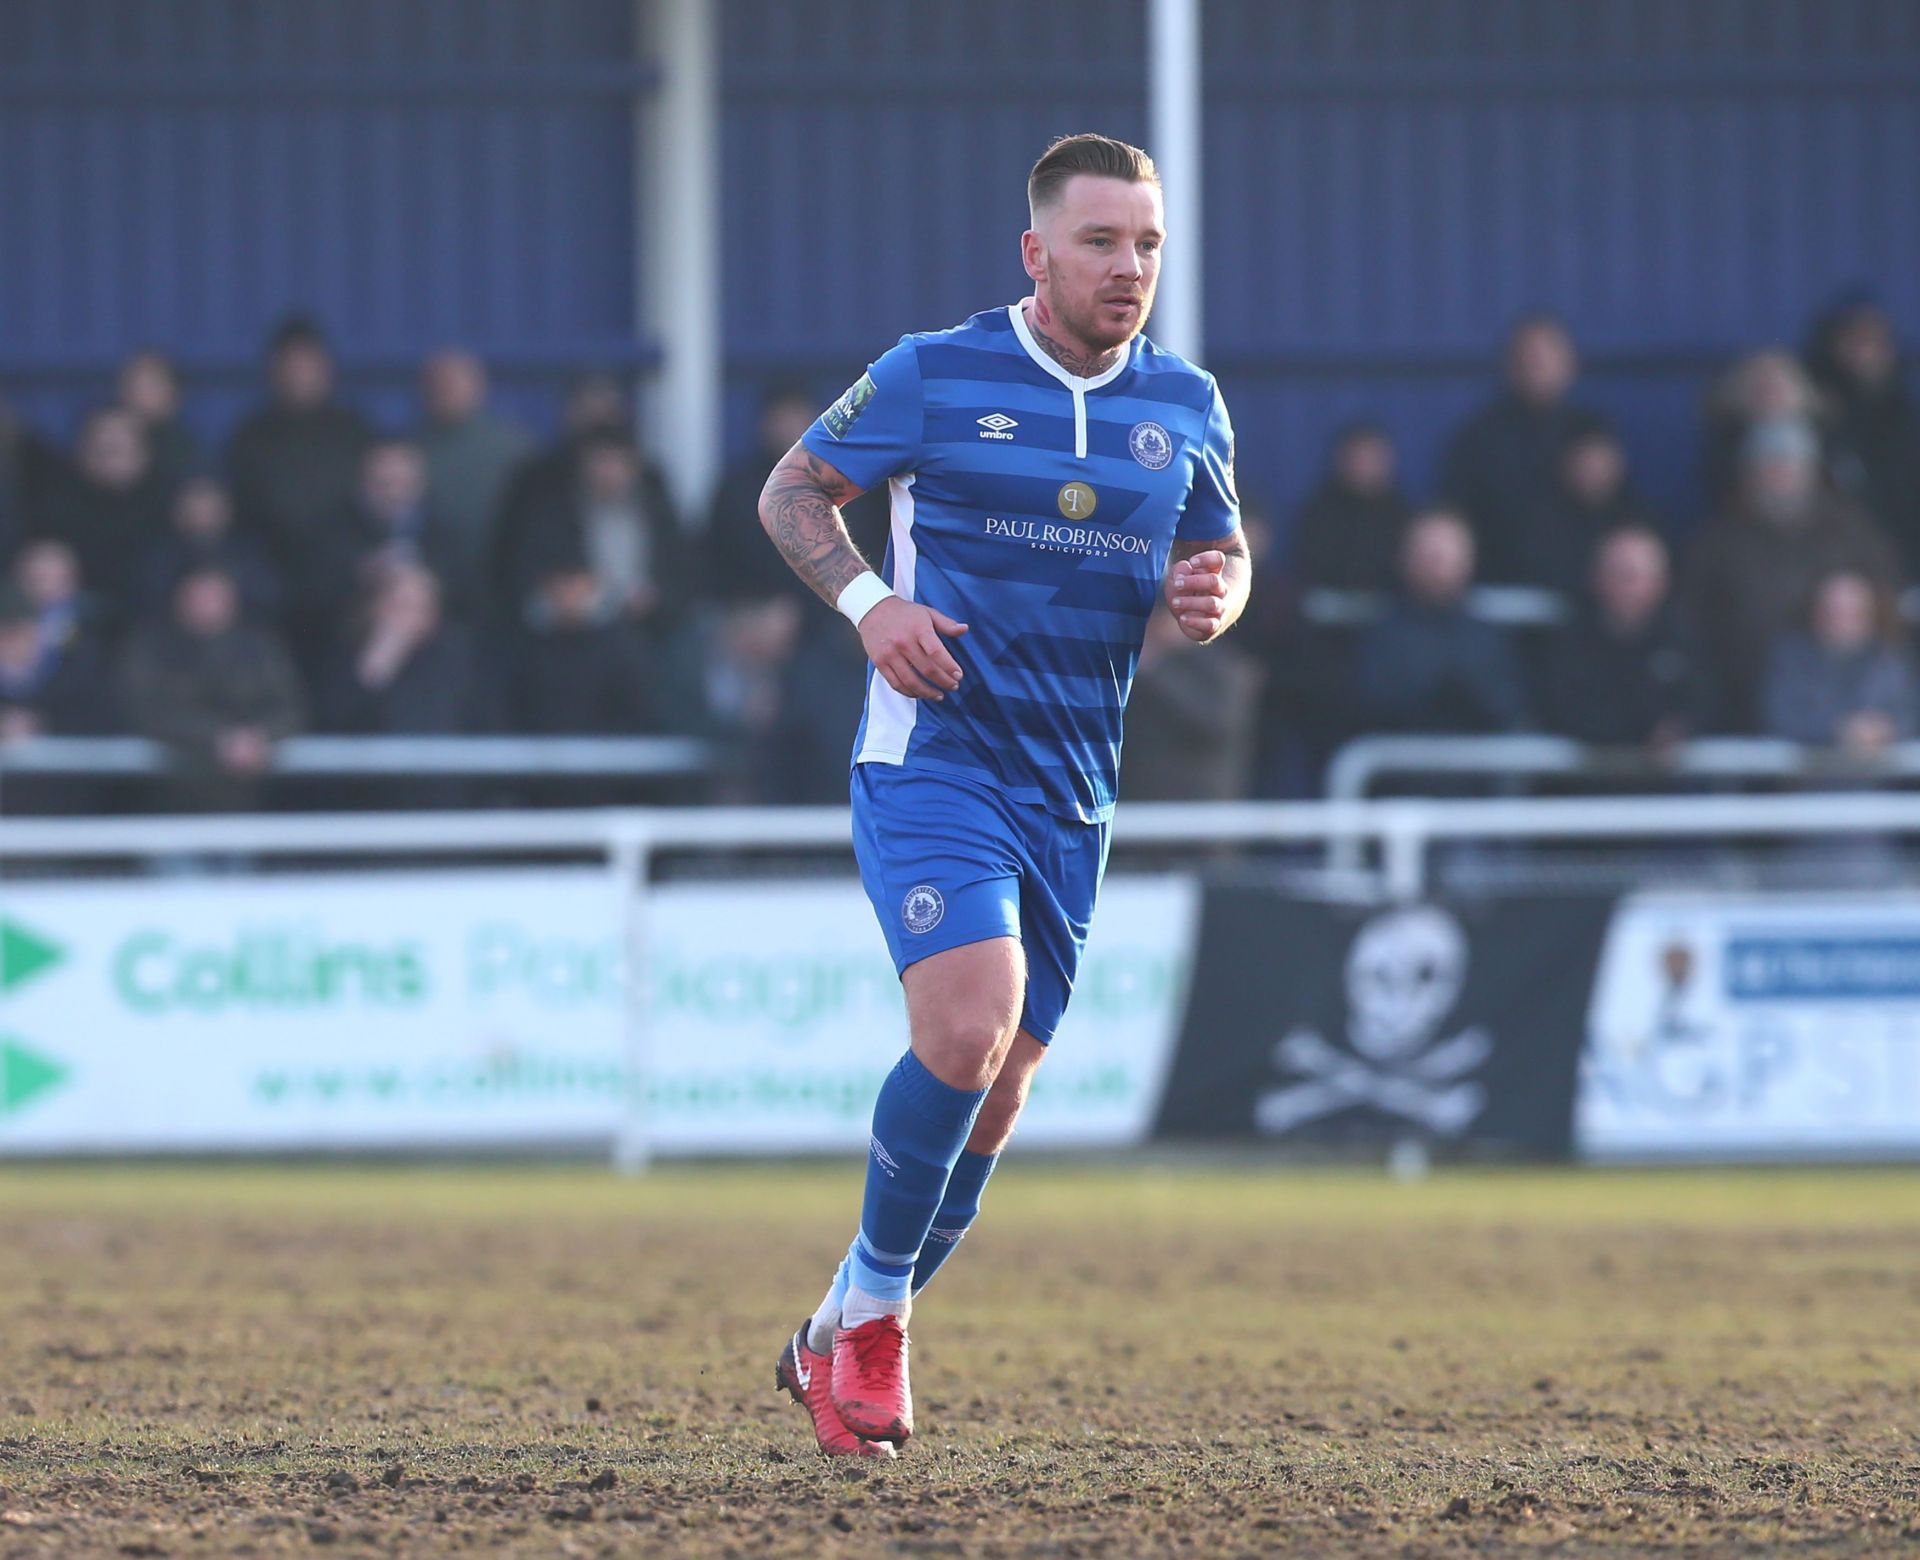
1754	1027
435	1010
339	1011
777	1013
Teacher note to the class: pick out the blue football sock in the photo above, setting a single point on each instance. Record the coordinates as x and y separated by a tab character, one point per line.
958	1209
920	1125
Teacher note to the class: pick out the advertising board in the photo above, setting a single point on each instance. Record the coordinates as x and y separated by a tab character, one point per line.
440	1010
1741	1026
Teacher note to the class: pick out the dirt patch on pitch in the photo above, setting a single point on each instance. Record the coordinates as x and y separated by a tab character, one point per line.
270	1362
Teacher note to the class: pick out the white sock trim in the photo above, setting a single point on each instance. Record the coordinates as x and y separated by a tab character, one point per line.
825	1319
860	1307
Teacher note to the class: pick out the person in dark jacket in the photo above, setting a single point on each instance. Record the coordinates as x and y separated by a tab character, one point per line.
1428	666
1626	672
405	671
1190	719
48	575
390	524
27	464
742	566
1501	468
203	536
1846	680
580	668
596	404
778	675
1856	362
148	385
1755	565
107	508
294	464
1592	498
49	688
616	521
220	692
1346	535
471	455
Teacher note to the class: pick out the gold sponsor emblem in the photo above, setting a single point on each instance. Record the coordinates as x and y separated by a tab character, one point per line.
1076	501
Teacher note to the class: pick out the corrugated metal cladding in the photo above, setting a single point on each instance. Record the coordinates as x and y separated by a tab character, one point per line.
414	171
876	156
1389	184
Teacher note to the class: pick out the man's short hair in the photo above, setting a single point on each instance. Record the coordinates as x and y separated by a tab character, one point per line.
296	330
1095	154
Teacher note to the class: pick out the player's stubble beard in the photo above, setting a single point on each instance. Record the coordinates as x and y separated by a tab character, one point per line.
1076	338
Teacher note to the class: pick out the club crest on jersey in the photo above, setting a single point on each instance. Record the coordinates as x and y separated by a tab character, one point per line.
922	909
1077	501
845	412
1151	445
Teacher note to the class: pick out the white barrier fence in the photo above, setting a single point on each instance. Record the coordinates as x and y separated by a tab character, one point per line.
403	1005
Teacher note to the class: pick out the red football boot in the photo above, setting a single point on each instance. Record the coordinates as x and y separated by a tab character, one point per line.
808	1378
870	1380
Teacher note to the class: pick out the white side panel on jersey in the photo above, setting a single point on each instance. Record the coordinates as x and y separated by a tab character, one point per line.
890	714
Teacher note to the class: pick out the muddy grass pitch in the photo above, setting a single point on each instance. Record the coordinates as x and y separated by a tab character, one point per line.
1137	1361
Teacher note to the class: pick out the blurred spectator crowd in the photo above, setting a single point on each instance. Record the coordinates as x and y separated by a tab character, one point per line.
321	574
1537	590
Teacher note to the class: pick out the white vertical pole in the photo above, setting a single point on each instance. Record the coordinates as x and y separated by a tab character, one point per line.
677	286
630	860
1403	851
1174	140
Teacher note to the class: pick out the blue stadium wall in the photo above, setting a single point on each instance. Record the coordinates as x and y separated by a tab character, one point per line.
1388	183
183	172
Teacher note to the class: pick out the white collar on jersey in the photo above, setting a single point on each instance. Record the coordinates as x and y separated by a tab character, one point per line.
1071	380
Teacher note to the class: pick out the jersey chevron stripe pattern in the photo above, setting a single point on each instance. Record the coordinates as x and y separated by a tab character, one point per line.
1056	593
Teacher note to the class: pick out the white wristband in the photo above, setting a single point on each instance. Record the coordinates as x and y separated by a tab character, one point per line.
865	593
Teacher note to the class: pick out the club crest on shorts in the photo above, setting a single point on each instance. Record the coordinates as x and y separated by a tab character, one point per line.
922	909
1151	445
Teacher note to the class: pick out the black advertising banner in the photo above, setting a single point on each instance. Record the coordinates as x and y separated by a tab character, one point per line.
1458	1025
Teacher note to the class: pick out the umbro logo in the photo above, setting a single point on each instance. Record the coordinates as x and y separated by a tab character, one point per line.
996	425
887	1162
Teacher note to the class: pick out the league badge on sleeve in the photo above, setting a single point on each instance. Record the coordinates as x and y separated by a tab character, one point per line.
845	412
1151	445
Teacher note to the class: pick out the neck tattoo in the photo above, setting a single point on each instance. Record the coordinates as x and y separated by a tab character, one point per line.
1087	365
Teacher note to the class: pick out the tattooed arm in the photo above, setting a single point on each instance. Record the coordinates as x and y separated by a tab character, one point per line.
1207	587
800	511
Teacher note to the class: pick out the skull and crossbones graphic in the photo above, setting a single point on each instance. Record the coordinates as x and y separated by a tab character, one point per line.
1404	974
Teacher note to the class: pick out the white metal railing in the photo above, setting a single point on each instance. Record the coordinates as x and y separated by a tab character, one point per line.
630	839
339	757
1362	763
1506	606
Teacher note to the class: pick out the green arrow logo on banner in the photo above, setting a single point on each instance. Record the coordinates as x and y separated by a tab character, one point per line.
24	954
25	1075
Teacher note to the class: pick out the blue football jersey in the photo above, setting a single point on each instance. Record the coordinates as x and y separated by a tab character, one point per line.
1039	508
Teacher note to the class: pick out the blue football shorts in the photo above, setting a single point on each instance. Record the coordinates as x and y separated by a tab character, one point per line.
948	861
